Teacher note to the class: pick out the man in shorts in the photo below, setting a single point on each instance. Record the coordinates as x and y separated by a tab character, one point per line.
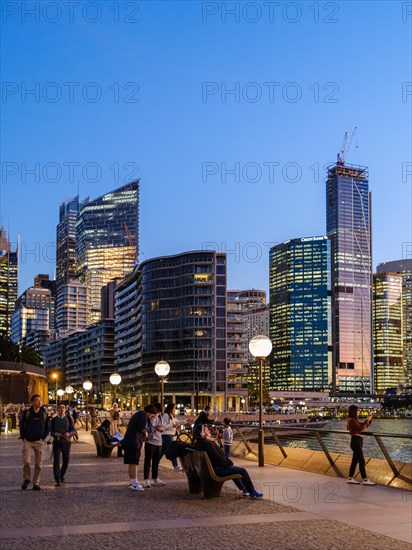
132	443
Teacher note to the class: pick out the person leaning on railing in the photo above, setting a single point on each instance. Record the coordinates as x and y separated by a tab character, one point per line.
355	428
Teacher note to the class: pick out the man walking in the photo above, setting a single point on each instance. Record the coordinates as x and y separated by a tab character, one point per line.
34	428
61	428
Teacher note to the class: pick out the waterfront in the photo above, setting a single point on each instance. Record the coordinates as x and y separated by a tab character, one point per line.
399	449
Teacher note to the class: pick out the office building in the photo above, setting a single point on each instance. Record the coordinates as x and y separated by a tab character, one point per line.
72	311
34	312
107	237
348	225
404	268
387	331
237	351
300	314
8	282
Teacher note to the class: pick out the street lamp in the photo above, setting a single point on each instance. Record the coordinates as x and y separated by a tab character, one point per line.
55	377
115	380
87	386
260	347
60	393
162	369
243	401
69	390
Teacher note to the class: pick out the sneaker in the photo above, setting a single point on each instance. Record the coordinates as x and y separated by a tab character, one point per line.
25	484
57	484
158	482
178	469
353	481
255	494
137	487
36	487
146	483
245	493
368	482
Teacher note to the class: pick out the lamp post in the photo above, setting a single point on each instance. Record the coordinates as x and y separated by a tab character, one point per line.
260	347
69	390
243	401
55	377
162	369
60	393
115	380
87	386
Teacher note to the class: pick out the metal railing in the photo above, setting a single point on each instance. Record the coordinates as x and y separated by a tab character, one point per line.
318	433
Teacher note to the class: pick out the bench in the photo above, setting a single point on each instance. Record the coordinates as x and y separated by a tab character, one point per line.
105	449
201	476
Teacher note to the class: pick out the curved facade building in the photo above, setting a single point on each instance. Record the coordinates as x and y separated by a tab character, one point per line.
183	321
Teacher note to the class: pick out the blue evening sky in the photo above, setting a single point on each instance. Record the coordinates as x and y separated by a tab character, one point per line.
302	73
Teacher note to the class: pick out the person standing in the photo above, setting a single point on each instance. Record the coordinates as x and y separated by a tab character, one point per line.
227	436
93	418
61	428
170	426
355	428
115	417
34	428
152	449
2	418
132	443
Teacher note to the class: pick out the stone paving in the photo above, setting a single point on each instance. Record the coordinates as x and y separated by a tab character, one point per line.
95	510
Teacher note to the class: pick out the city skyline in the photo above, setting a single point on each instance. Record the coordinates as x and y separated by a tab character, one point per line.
187	129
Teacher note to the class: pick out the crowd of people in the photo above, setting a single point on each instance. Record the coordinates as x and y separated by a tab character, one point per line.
154	429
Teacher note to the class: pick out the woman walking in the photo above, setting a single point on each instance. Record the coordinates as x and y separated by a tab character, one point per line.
355	428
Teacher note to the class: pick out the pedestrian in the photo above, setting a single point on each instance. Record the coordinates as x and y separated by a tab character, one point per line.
171	428
115	417
227	436
221	465
114	440
62	429
20	413
203	417
2	418
355	428
93	418
153	448
132	443
34	428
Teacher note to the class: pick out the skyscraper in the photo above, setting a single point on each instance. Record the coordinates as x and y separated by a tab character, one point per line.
184	323
299	288
107	238
387	331
33	313
348	223
237	350
404	268
8	283
66	255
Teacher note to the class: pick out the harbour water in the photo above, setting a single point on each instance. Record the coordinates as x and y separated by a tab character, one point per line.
399	449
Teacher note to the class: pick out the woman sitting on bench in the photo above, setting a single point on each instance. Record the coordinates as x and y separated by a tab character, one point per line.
105	429
221	465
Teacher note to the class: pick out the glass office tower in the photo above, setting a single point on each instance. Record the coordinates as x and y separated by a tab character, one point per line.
183	322
8	283
107	237
300	308
348	221
404	268
387	331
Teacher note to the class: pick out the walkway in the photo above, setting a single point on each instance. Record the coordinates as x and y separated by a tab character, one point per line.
94	509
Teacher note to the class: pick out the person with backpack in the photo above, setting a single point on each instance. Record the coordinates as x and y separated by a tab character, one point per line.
34	428
61	428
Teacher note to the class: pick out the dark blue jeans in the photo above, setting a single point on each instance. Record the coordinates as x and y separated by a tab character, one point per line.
244	483
166	440
227	450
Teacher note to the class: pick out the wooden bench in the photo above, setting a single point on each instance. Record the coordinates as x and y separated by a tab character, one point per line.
202	477
96	442
105	449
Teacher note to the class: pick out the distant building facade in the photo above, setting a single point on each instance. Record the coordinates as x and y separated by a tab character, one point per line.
8	282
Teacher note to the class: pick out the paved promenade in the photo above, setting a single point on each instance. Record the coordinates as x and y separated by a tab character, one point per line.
95	509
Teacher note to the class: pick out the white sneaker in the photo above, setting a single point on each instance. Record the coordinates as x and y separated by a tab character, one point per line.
158	482
352	480
368	482
146	483
178	469
137	487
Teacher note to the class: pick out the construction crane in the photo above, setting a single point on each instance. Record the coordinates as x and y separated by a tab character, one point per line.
345	148
131	241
